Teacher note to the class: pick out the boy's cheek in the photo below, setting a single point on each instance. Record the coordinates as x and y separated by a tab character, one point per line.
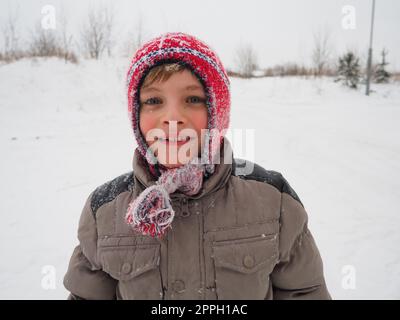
146	124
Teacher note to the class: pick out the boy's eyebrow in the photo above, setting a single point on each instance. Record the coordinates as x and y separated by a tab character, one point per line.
193	87
144	89
190	87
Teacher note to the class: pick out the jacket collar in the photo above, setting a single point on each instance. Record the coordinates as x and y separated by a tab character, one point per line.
217	180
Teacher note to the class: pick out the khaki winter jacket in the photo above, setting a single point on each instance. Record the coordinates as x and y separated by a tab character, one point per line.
243	236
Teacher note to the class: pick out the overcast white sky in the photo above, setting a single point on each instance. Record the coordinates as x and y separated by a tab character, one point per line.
280	31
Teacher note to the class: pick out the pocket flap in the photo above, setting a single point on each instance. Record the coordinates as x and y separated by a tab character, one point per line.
246	255
127	262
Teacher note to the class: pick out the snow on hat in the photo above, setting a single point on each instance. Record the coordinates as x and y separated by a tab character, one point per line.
203	62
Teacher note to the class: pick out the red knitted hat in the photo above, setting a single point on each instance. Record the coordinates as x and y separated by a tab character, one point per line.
196	56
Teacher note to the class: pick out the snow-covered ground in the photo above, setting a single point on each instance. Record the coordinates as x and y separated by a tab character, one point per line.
64	130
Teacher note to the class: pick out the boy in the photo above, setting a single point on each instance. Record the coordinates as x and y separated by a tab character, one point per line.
187	223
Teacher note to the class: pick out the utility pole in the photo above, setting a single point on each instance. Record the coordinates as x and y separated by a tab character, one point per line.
369	63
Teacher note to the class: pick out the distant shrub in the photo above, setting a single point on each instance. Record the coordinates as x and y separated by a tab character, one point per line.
381	75
288	69
349	70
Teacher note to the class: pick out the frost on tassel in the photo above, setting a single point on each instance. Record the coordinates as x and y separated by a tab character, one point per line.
151	213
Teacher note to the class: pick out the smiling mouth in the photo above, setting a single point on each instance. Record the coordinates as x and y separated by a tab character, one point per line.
179	140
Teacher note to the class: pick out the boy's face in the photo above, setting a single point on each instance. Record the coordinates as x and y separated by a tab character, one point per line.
172	116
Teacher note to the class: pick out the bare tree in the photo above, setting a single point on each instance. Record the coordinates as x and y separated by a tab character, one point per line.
109	28
97	32
322	51
135	38
11	36
66	39
44	42
246	60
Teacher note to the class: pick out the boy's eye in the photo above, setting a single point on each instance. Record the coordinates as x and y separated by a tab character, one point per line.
152	101
195	99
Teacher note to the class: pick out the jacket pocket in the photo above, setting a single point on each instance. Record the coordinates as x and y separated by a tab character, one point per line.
243	266
136	268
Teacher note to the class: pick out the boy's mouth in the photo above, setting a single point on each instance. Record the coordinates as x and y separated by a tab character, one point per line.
177	140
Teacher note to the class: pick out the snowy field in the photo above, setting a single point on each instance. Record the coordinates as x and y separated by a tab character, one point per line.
64	130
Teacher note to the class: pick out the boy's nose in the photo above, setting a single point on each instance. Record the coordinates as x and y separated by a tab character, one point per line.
173	121
174	115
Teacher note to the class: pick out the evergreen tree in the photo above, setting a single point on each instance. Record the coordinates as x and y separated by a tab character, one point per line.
380	74
349	70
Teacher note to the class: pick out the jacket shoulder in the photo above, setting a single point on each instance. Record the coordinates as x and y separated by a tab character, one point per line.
108	191
258	173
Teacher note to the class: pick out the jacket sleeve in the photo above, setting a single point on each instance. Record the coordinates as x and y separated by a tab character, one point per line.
299	272
85	279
